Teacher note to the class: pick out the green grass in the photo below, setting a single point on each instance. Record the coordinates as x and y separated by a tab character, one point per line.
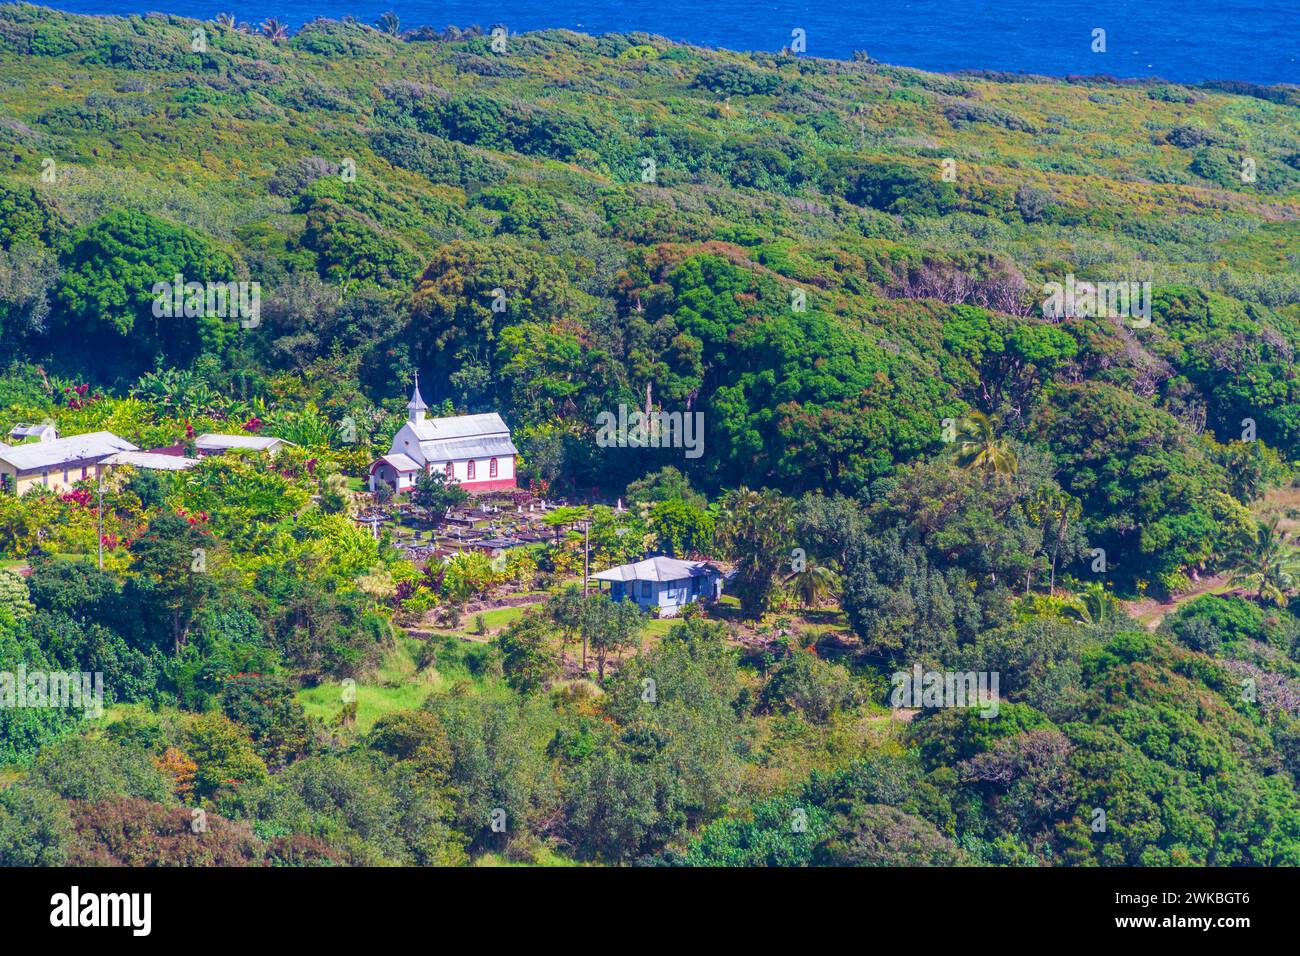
494	620
545	857
501	617
659	626
398	685
325	701
823	622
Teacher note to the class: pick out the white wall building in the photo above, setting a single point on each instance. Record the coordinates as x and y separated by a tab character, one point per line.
472	450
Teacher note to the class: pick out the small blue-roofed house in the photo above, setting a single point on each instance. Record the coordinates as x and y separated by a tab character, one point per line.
663	584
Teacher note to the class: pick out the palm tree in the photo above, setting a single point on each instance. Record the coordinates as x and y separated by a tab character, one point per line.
980	449
754	531
389	23
812	584
566	516
1096	606
1265	562
274	29
226	20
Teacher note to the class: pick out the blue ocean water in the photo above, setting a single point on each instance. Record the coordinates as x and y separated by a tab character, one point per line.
1185	40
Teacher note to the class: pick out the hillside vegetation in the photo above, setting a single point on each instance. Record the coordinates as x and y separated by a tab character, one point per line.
841	266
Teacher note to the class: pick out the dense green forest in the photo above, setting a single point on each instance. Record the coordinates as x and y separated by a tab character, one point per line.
907	462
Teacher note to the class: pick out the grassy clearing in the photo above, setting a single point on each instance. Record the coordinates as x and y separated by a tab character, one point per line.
1284	504
544	857
501	617
399	683
325	701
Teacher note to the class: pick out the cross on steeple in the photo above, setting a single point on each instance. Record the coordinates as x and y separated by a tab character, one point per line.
416	408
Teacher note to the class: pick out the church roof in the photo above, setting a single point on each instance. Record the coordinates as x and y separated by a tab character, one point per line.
456	449
460	426
456	438
464	436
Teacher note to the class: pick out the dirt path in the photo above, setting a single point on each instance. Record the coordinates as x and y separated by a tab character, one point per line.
1280	502
1151	612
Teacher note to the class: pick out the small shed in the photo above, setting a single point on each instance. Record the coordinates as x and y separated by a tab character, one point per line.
23	432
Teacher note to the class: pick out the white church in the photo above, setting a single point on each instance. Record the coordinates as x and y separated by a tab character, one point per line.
473	450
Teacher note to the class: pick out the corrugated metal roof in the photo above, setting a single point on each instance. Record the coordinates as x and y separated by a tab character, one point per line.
150	460
460	426
657	569
65	451
455	449
258	442
401	462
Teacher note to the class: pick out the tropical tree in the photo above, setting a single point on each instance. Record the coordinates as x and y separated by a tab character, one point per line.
334	496
610	627
811	583
1057	514
172	555
306	427
467	574
1265	562
274	29
616	537
755	531
435	494
980	449
106	298
389	23
681	528
519	566
565	609
226	20
1096	606
526	658
566	517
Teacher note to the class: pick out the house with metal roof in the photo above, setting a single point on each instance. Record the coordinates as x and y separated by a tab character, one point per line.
474	451
150	461
58	463
214	444
663	584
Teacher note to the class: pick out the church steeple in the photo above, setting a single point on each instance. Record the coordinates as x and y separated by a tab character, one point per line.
416	408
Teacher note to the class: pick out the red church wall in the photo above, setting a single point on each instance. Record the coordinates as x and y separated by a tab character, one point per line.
494	484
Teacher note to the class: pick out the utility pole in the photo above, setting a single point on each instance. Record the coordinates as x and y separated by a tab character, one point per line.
99	476
586	573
